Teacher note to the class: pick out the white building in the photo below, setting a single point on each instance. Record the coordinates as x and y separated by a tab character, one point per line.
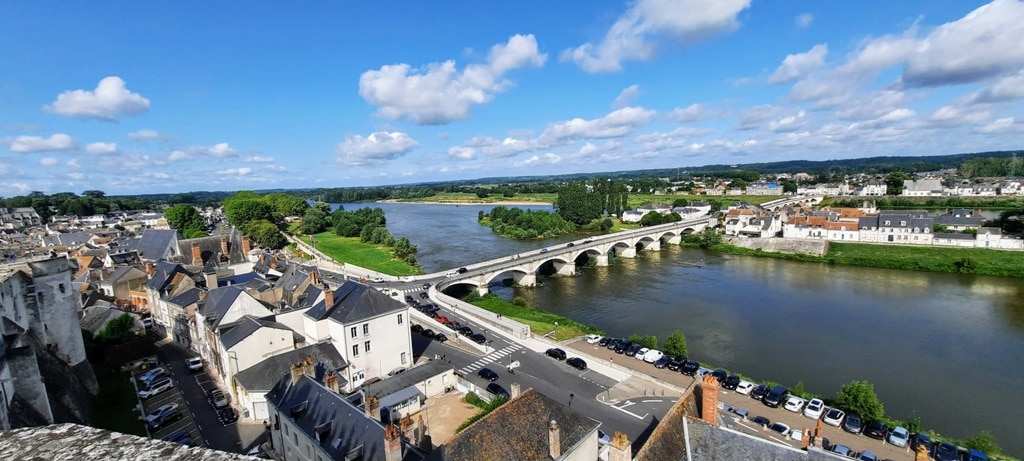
922	188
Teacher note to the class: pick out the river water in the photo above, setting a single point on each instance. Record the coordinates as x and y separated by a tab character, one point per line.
944	347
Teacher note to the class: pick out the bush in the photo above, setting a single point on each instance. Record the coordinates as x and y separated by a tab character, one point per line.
648	341
519	301
860	397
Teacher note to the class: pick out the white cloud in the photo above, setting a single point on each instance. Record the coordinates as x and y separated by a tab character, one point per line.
804	20
221	150
108	101
984	43
161	175
1005	89
693	112
507	147
630	37
73	163
546	159
258	159
1001	125
178	155
626	97
20	187
789	123
755	117
462	153
377	147
879	53
48	161
234	171
440	93
146	135
30	144
798	65
614	125
101	148
76	176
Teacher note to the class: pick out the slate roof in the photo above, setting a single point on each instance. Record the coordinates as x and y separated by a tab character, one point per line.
311	406
355	302
239	279
157	244
523	425
960	218
410	377
131	257
953	236
210	249
69	239
164	272
125	245
262	376
218	301
123	272
187	298
237	331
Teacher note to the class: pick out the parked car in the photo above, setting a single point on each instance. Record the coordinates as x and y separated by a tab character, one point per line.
440	337
593	339
676	363
744	387
497	390
613	343
624	346
760	420
603	342
842	450
662	362
555	353
227	415
731	382
853	424
834	417
639	354
150	375
478	338
690	367
759	391
218	399
424	294
543	250
780	427
898	436
182	437
159	411
157	386
946	451
976	455
876	430
577	363
719	374
396	371
867	455
465	330
814	409
164	419
776	396
194	363
653	355
921	439
632	350
488	374
795	404
416	328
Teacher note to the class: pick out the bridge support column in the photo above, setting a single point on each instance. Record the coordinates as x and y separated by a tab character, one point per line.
525	280
601	260
627	253
565	269
653	246
675	240
482	290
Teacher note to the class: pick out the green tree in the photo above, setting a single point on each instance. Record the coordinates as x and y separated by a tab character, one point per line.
607	224
265	234
648	341
185	219
243	210
94	194
984	441
680	202
675	345
709	238
789	187
652	219
894	183
314	221
323	206
119	330
860	397
577	205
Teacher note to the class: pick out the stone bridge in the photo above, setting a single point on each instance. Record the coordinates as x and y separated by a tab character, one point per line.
524	267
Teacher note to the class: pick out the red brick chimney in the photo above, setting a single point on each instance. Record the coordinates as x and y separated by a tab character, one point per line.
554	440
197	254
246	245
328	296
620	449
150	271
331	382
392	444
709	400
372	406
224	246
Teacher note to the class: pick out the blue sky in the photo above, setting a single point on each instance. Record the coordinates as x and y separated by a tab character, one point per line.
144	97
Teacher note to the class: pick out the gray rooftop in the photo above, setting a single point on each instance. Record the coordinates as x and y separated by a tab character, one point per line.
237	331
262	376
410	377
355	302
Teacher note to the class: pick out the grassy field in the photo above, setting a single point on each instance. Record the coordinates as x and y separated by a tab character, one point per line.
540	199
113	408
930	258
370	256
636	200
540	322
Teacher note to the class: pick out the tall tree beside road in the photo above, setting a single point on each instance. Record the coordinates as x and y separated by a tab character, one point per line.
675	345
860	397
894	183
314	221
245	207
185	219
265	234
578	205
119	330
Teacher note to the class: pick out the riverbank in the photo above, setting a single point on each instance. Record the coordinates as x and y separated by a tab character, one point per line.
980	261
541	322
367	255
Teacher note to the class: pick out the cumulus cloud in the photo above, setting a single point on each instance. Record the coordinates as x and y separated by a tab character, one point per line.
377	147
48	161
626	97
616	124
693	112
101	148
789	123
220	150
76	176
508	147
147	135
546	159
234	171
984	43
1005	89
109	101
258	159
1001	125
798	65
29	144
631	36
440	93
462	153
804	20
756	117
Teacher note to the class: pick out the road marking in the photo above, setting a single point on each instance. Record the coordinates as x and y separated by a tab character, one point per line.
630	412
653	401
628	403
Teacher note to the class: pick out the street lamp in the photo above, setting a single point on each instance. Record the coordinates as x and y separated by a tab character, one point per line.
571	395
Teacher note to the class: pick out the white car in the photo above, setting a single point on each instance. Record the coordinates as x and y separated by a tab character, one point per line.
156	387
796	434
744	387
653	355
795	404
640	353
899	436
194	363
159	411
834	417
814	408
593	339
378	280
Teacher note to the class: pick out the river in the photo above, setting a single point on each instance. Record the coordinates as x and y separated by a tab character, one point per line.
944	347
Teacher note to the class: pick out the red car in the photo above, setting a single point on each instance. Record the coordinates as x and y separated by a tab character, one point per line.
442	319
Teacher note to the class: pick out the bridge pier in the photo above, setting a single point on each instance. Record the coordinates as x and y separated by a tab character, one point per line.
653	246
565	269
525	280
601	260
676	240
627	253
482	290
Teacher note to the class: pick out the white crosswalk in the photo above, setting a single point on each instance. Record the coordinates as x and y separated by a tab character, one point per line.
490	358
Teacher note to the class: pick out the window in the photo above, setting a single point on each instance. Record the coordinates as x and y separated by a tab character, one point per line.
403	358
399	319
353	331
355	350
366	347
366	328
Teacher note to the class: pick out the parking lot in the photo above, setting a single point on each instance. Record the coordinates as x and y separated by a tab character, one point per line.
172	396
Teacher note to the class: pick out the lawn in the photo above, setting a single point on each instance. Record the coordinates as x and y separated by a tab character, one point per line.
351	250
114	407
540	322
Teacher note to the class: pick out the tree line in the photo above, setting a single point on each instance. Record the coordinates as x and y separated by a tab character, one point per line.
259	216
522	224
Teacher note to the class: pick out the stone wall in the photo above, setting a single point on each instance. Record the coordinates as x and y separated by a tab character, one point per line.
781	245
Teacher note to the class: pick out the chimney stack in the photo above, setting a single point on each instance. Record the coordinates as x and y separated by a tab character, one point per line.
515	391
620	449
308	368
211	280
407	428
372	406
331	382
297	372
150	271
709	400
328	296
246	246
554	442
202	295
197	254
392	444
224	246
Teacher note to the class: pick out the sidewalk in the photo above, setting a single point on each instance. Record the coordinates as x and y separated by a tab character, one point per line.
633	387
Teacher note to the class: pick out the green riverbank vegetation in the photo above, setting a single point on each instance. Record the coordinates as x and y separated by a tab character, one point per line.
541	322
519	224
351	250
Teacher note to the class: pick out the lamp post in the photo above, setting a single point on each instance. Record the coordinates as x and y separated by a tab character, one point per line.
571	395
